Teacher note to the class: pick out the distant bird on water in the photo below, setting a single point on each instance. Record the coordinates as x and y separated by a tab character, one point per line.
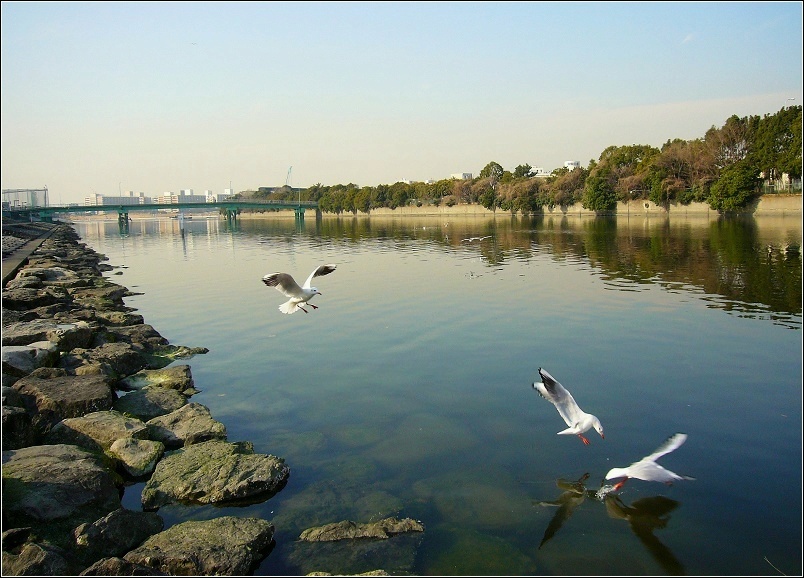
647	469
299	296
578	420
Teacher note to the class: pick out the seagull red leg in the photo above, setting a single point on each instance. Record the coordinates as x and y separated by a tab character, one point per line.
583	439
619	485
313	306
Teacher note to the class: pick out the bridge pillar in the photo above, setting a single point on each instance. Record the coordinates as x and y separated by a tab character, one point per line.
299	214
122	221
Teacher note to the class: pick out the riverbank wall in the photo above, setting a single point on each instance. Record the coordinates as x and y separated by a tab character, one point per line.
767	205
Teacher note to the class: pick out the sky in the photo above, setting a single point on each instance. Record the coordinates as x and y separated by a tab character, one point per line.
104	97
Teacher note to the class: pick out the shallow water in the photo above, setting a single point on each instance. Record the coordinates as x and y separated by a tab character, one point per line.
408	392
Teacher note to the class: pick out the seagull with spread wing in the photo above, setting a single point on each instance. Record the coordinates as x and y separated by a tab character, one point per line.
647	469
298	296
578	420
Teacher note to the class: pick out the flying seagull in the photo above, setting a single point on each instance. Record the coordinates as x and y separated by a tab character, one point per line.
647	469
578	420
299	296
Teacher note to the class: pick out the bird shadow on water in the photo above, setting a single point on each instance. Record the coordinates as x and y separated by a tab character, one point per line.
644	516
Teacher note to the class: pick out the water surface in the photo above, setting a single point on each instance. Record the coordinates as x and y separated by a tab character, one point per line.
408	392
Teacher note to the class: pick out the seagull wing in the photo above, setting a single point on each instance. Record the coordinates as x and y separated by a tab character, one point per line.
284	283
558	395
318	272
672	443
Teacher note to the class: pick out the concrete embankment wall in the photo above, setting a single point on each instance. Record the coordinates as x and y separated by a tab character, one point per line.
767	205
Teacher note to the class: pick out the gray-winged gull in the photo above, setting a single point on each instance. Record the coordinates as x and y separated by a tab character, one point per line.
578	420
298	296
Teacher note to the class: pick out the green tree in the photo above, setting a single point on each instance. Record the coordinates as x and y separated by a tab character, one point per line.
598	194
737	185
522	171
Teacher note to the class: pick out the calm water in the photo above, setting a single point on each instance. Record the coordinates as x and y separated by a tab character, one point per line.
408	392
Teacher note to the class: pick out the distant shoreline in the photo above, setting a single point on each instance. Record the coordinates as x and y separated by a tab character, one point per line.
767	205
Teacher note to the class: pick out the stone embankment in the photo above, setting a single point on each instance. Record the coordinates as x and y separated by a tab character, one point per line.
91	406
93	401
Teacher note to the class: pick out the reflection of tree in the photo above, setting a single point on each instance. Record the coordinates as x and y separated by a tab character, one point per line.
644	516
723	258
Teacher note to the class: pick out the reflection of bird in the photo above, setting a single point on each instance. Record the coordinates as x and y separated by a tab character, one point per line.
574	495
470	239
578	420
647	469
298	295
644	516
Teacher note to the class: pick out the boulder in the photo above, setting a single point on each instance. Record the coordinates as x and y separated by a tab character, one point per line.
122	359
214	472
115	534
97	431
54	488
223	546
150	402
176	377
137	457
347	530
190	424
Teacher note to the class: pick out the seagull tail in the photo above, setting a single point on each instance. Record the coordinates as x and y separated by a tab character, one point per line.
288	307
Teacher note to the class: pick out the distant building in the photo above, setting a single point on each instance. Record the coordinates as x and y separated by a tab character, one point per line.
461	176
128	198
572	165
539	172
18	198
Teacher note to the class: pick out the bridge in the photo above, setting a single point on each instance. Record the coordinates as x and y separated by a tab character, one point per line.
228	208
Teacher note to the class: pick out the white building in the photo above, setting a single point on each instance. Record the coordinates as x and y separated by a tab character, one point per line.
461	176
572	165
127	198
539	172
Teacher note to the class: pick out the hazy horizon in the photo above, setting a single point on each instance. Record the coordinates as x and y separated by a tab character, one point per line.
105	97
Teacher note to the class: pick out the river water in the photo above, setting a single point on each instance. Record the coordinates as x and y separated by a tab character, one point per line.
408	392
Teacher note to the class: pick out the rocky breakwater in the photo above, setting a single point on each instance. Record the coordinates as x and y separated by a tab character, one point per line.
94	400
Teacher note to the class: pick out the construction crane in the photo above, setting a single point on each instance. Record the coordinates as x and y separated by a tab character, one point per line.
287	178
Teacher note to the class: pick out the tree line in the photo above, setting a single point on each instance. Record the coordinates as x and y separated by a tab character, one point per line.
725	168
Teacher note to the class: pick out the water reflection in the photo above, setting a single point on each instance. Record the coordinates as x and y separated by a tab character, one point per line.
644	516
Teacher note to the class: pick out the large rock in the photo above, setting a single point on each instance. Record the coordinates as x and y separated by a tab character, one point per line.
214	472
226	546
115	534
51	395
54	488
31	298
33	559
137	457
150	402
114	566
97	431
176	377
190	424
20	360
121	359
66	336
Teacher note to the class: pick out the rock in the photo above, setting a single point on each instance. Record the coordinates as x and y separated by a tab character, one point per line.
31	298
53	488
176	377
346	530
122	359
97	431
18	431
66	336
144	336
119	567
51	395
137	457
222	546
115	534
150	402
34	559
214	472
190	424
20	360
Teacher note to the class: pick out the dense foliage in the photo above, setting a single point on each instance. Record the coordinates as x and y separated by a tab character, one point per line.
725	168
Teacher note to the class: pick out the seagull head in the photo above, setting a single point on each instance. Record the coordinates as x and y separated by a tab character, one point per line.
598	427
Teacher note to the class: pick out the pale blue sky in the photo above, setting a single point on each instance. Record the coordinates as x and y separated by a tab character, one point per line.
105	96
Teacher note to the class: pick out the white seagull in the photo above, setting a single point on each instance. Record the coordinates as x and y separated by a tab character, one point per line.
299	296
647	469
578	420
